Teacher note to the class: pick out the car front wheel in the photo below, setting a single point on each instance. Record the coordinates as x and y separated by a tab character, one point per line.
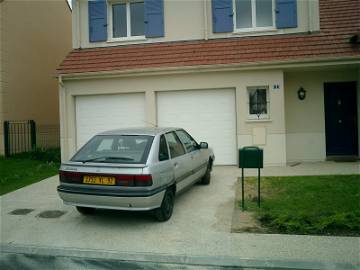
205	180
164	212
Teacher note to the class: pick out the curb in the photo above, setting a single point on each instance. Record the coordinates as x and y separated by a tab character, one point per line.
225	261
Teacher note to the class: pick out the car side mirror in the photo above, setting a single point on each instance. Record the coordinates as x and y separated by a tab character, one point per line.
204	145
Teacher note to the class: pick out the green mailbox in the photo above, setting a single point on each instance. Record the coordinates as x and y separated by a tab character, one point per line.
251	157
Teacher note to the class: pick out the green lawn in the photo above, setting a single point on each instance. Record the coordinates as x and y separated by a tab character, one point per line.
19	172
326	205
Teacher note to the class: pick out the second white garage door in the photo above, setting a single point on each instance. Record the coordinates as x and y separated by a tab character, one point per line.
208	115
99	113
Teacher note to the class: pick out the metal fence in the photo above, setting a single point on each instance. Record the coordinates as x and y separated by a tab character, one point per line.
19	136
47	136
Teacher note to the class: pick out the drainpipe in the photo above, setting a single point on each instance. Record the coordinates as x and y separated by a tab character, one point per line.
79	22
205	21
61	81
310	19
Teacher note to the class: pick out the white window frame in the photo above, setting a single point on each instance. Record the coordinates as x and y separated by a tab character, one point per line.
253	18
263	115
128	37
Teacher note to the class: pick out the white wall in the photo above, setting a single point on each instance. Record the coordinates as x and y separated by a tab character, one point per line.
274	144
189	20
305	119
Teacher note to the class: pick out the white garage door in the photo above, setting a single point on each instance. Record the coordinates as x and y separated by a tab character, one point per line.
208	115
99	113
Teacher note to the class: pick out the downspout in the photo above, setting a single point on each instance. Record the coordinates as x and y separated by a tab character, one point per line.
61	81
79	22
62	119
310	19
205	21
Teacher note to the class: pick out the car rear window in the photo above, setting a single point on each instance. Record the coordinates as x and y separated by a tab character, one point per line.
115	149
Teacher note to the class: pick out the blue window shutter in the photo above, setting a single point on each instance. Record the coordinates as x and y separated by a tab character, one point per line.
97	21
222	16
286	14
154	18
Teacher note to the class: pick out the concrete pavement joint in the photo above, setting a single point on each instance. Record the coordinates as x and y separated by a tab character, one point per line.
227	261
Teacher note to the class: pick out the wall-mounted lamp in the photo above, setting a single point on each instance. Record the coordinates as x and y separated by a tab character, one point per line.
301	93
354	39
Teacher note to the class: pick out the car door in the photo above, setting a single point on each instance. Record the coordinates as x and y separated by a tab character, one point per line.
180	161
162	170
194	153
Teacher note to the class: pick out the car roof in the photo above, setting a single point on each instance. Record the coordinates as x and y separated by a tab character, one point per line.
150	131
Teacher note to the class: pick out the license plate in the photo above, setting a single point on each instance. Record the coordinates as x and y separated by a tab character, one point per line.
99	180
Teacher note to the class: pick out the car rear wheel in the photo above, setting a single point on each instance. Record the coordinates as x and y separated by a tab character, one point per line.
205	180
85	210
166	209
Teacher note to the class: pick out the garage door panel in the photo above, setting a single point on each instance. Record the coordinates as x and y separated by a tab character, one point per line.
98	113
208	115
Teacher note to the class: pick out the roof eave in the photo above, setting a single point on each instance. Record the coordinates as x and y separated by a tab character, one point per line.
246	66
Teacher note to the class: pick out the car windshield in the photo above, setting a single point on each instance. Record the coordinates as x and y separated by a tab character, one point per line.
115	149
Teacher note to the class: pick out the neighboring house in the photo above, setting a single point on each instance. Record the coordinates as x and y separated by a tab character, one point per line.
231	72
34	38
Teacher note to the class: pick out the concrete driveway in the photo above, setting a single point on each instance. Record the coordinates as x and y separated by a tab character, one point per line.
199	231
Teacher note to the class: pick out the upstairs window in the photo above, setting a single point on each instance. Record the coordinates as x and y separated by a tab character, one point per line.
254	15
126	19
122	20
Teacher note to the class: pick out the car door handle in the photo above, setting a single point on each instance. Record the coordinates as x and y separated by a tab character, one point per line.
176	164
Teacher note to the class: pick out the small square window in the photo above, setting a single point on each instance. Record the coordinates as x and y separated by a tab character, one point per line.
258	102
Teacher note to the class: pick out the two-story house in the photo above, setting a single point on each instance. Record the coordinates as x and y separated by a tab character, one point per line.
35	36
280	74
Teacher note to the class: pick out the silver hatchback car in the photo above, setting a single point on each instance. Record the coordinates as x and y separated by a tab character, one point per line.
134	169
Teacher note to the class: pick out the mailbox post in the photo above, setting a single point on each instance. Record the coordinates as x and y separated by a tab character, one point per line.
250	157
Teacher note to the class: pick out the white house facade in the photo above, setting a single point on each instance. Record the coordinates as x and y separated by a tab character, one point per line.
279	74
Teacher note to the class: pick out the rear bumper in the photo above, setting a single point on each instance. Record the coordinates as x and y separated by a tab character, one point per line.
138	202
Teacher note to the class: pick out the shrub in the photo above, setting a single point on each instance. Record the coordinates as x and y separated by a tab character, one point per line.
42	154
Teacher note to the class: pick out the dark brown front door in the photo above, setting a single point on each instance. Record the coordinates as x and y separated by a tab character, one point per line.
341	119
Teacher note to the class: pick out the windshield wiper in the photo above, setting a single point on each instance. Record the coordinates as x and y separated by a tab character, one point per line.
105	158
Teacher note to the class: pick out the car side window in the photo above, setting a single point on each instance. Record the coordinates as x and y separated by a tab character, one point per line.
187	140
163	150
175	146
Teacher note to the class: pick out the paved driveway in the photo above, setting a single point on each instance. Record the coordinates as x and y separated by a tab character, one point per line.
200	227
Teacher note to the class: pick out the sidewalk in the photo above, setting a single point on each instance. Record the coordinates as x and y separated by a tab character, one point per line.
199	230
308	168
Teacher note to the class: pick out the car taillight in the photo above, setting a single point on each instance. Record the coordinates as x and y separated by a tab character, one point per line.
70	177
129	180
141	180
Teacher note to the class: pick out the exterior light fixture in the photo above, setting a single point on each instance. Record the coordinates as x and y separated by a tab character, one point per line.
301	93
354	39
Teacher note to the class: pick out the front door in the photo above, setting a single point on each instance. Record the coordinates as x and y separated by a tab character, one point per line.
341	119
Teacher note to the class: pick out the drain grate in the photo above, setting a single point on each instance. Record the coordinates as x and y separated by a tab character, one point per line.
51	214
21	211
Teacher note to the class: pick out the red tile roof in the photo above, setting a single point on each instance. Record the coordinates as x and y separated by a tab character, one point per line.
339	21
